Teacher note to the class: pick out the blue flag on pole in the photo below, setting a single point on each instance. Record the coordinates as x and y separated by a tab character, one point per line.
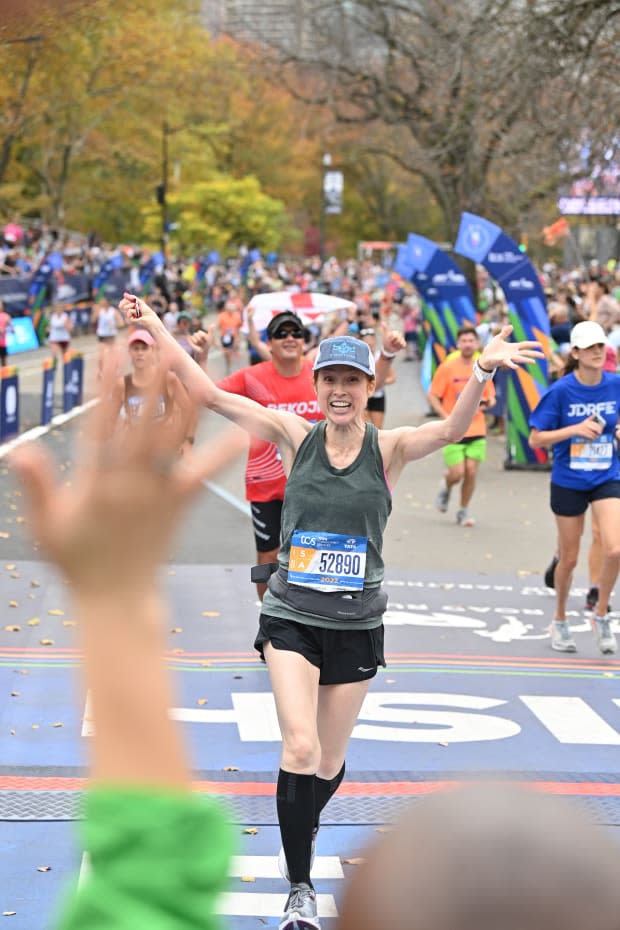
447	299
488	245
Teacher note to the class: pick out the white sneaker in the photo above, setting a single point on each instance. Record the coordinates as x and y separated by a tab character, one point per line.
300	910
561	639
605	639
463	518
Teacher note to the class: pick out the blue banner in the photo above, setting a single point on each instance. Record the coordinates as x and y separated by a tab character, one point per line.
73	372
14	293
488	245
72	288
23	337
116	285
448	300
47	396
9	403
114	263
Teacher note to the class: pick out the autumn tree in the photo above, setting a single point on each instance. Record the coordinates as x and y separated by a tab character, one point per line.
86	104
485	100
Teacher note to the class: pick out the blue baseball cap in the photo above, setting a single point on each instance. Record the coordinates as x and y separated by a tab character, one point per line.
344	350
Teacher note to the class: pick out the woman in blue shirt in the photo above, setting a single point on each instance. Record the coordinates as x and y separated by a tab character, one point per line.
578	418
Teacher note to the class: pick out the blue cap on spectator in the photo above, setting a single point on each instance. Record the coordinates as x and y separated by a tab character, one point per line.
344	350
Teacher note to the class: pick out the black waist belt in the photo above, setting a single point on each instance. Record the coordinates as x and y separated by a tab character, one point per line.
332	605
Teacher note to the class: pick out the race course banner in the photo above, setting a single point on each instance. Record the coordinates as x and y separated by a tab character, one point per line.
22	337
448	302
485	243
9	402
73	380
14	293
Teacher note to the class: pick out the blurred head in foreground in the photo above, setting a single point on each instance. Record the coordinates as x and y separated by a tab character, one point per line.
488	857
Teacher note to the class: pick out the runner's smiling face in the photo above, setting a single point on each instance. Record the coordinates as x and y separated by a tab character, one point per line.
343	392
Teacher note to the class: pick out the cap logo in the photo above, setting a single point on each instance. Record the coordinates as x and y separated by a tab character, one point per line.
343	350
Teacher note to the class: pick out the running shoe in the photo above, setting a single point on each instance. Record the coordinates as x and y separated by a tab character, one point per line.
605	639
443	497
300	910
283	864
463	518
561	639
550	572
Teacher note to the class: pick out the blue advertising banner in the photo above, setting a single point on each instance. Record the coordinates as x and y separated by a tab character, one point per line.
73	376
23	337
114	263
488	245
448	302
116	285
47	395
72	288
14	293
9	403
405	266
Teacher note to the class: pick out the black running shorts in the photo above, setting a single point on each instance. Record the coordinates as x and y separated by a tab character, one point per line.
569	502
342	656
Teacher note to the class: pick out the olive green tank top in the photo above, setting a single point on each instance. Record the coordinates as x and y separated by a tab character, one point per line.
354	501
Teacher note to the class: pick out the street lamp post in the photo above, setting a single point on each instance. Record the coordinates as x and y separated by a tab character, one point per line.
326	162
162	192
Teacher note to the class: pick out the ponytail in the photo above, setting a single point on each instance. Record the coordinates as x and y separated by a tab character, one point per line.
571	364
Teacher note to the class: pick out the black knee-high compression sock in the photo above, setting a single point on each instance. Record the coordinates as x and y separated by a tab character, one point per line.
324	788
295	804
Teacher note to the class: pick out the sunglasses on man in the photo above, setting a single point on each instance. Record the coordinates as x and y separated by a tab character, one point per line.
295	332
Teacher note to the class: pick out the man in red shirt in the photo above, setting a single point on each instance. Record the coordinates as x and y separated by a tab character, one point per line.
461	458
283	383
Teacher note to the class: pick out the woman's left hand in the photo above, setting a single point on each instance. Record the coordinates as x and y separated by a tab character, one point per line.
136	311
500	353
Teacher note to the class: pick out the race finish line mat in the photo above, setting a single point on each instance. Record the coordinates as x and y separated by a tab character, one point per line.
472	689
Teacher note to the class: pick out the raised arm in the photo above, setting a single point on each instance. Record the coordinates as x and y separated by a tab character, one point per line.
260	347
108	531
405	444
149	838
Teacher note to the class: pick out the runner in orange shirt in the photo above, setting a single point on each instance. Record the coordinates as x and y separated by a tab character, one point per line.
461	458
229	322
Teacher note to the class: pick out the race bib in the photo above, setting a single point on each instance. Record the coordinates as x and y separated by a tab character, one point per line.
327	561
591	454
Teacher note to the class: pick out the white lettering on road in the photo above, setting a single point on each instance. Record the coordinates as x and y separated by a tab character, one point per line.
432	726
415	717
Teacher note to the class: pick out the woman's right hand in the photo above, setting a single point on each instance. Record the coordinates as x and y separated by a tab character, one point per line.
588	428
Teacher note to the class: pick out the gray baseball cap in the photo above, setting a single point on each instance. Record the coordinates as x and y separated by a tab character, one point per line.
344	350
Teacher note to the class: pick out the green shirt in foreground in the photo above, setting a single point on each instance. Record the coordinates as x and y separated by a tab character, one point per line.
158	862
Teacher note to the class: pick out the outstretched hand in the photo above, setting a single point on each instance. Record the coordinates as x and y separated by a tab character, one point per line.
500	353
114	523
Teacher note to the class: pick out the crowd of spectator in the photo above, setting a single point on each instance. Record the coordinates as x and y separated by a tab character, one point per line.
183	290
